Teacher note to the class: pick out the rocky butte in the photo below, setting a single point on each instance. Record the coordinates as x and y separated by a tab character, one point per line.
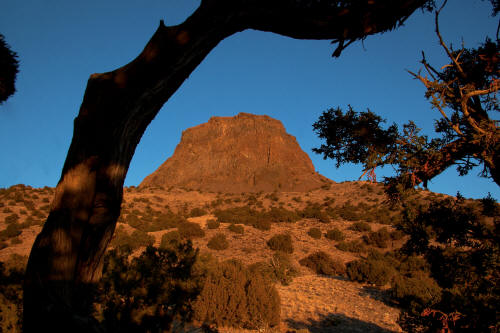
244	153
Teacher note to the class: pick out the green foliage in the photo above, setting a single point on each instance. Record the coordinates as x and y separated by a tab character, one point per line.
377	272
232	296
146	294
314	233
170	239
360	227
354	246
218	242
236	228
314	211
322	263
197	212
378	238
9	68
416	292
281	242
279	268
213	224
461	250
190	230
11	294
138	238
335	234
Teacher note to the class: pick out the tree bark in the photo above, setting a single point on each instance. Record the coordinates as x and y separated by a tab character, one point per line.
66	258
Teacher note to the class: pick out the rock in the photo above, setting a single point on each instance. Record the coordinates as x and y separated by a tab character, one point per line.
244	153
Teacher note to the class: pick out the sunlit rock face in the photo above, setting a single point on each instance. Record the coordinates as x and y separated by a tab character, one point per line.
244	153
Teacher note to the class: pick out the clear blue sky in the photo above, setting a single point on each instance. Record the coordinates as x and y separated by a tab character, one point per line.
60	43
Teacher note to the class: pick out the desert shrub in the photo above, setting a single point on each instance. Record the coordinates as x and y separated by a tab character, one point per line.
322	263
314	211
416	292
197	212
352	246
281	242
13	230
360	227
348	212
12	218
314	233
218	242
335	234
377	272
236	228
11	294
169	239
166	221
281	268
122	239
396	234
15	240
281	215
377	238
190	230
297	199
145	294
213	224
232	296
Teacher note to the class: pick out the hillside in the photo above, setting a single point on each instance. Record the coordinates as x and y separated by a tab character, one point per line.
315	302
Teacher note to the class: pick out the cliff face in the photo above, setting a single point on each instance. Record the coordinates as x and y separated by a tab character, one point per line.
245	153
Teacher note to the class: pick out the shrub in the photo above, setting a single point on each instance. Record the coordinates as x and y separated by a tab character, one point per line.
281	242
166	221
397	235
190	230
322	263
195	212
12	230
281	215
218	242
11	218
11	298
313	211
213	224
377	272
236	228
335	234
360	227
279	268
417	292
122	239
169	239
232	296
314	233
145	294
352	246
378	238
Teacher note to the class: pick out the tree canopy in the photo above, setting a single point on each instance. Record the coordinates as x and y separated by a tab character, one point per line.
9	67
464	92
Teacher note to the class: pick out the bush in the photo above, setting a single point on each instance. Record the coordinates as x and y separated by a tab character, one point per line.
236	228
360	227
352	246
322	263
11	218
232	296
417	292
378	238
195	212
218	242
314	233
190	230
282	242
279	268
335	234
313	211
145	295
213	224
11	298
171	238
377	272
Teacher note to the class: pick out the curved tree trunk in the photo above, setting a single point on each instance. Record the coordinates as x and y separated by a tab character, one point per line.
66	258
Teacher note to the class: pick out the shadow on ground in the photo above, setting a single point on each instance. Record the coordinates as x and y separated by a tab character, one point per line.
337	323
